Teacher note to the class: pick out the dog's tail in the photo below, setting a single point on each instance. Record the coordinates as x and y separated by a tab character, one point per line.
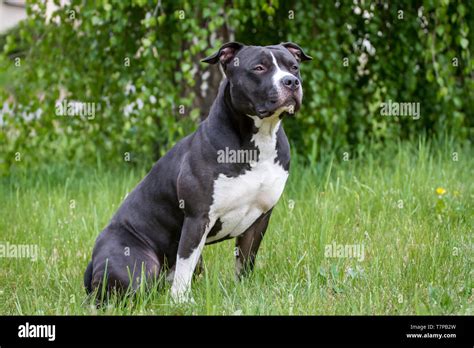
88	278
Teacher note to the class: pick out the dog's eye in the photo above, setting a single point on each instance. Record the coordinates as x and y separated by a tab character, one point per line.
294	68
259	68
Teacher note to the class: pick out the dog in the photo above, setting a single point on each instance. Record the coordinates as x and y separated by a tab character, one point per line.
195	195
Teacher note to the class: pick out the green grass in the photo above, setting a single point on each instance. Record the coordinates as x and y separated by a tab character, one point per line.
418	252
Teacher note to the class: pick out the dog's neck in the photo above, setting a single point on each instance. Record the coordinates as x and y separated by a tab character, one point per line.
242	124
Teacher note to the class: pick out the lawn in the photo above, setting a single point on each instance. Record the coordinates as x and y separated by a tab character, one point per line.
408	205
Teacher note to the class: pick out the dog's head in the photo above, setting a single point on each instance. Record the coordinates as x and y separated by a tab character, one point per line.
263	80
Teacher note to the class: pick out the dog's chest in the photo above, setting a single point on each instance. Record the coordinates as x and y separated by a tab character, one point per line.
239	201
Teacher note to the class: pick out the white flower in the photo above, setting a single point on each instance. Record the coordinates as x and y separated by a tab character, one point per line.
28	116
130	89
128	109
139	104
368	47
367	14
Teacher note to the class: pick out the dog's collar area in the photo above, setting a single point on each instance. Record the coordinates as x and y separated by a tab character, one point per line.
269	125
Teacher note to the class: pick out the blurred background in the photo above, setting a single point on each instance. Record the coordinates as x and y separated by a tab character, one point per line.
138	64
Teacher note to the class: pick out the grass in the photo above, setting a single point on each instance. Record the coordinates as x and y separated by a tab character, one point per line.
417	244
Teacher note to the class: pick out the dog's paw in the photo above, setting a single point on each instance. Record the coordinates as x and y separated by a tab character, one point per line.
182	297
183	300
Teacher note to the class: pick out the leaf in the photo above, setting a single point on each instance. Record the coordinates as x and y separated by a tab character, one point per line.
440	30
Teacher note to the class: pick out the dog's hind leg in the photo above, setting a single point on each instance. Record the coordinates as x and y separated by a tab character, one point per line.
123	266
88	278
247	245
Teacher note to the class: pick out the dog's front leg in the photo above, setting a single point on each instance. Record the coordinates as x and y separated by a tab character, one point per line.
193	238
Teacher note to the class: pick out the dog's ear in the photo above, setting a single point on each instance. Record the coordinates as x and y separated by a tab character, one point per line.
225	54
296	51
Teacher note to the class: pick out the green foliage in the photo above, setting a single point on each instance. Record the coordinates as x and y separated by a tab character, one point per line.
144	58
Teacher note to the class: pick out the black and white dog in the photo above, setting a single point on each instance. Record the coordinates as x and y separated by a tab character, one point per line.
191	198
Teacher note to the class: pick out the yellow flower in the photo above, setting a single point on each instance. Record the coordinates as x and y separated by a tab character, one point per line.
440	191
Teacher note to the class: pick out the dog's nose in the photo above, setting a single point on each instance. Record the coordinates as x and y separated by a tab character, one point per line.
291	82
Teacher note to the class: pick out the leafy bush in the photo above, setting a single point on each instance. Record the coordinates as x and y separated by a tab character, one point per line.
138	62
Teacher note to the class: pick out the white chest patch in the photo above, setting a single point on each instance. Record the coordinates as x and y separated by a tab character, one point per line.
239	201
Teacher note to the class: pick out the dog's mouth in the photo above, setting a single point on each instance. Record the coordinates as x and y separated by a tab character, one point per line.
289	106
